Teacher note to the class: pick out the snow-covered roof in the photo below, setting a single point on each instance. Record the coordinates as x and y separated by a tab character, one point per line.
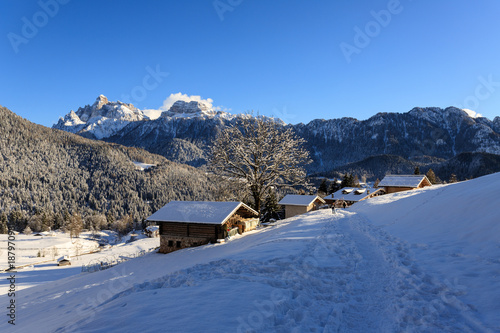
352	194
206	212
299	200
152	228
402	180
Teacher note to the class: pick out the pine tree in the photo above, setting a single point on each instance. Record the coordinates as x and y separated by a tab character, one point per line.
271	206
348	181
334	187
323	188
431	176
3	224
417	171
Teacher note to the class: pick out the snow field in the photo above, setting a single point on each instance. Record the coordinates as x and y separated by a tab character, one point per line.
421	261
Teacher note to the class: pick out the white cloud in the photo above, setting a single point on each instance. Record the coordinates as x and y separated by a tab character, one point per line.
472	114
152	113
184	97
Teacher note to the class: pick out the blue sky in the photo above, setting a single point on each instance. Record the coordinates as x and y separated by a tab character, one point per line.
299	60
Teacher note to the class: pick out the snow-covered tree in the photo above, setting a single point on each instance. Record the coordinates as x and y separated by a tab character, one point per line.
27	231
3	224
261	153
431	176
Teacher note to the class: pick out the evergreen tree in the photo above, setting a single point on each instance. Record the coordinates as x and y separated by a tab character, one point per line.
431	176
271	206
348	181
417	171
323	188
334	187
3	224
17	220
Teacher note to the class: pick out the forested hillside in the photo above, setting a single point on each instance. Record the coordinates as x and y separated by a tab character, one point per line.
54	174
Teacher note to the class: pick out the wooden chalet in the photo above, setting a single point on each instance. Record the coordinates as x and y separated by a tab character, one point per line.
296	204
64	261
398	183
350	195
193	223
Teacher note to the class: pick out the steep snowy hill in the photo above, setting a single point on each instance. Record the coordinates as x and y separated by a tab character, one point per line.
421	261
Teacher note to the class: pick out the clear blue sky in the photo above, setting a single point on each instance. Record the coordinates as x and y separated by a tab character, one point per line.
281	57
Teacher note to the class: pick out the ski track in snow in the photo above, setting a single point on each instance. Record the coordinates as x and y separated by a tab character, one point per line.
354	277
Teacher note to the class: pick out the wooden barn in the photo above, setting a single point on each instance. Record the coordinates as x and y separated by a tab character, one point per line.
193	223
351	195
296	204
398	183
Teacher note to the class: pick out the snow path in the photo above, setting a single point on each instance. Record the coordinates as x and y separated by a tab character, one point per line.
353	277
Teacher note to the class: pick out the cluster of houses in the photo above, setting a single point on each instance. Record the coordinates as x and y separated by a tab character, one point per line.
181	224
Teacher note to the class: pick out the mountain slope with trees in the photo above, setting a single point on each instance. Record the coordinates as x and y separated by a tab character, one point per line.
463	166
54	175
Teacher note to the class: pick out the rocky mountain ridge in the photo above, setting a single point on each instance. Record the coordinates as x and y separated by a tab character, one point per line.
185	131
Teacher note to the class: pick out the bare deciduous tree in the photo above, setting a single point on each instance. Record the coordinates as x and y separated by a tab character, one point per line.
259	153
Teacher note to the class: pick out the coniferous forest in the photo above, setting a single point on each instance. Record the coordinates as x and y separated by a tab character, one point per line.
50	178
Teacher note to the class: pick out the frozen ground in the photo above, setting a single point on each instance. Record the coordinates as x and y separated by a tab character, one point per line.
424	261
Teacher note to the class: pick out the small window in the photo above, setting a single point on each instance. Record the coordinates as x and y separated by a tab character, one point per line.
178	244
170	243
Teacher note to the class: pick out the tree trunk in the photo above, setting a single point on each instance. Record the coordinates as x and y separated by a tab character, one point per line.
256	199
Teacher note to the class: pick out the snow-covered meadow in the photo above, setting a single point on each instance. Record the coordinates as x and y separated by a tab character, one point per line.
38	255
426	260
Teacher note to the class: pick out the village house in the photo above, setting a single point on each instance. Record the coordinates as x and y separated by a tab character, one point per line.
398	183
351	195
296	204
193	223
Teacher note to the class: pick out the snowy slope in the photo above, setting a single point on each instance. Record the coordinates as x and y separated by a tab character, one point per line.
382	266
454	230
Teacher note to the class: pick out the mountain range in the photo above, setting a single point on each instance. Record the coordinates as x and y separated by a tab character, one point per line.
184	132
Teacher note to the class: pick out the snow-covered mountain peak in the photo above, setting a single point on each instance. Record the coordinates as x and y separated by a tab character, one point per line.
183	109
102	119
435	114
100	101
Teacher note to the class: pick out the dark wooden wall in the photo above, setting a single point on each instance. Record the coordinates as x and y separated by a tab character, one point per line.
199	230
